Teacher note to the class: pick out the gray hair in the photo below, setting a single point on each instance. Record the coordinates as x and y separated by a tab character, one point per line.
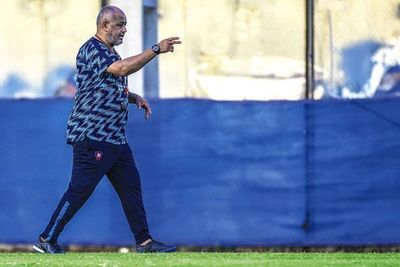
106	13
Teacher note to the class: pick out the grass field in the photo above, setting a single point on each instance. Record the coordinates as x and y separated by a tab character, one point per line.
202	259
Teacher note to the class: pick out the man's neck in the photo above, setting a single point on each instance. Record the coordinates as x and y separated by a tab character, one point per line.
102	38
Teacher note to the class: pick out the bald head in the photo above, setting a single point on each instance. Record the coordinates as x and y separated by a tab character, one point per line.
108	14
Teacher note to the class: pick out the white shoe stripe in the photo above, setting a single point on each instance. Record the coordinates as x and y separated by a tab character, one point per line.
38	249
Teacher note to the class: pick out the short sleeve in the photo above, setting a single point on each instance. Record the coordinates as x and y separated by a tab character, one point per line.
100	58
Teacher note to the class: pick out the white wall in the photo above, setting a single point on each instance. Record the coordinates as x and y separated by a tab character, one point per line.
37	36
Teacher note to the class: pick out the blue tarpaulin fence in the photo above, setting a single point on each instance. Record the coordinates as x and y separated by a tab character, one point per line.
217	173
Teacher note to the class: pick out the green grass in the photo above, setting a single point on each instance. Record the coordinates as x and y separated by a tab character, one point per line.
202	259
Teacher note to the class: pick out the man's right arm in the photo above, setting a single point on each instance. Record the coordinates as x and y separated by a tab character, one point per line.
132	64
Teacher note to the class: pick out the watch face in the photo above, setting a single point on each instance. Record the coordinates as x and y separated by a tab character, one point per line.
155	48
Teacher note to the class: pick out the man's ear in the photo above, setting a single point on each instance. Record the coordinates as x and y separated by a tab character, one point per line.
104	24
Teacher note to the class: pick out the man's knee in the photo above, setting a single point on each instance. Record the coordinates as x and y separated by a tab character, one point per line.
80	191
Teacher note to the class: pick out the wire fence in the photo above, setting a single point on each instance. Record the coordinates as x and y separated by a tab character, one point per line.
255	49
357	46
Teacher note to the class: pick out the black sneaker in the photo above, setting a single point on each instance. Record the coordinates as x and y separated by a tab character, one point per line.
155	247
48	247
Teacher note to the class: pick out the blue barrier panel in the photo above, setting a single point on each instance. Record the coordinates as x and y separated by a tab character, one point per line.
354	172
217	173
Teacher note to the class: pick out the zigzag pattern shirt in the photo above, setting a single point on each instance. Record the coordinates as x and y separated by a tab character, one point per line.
100	110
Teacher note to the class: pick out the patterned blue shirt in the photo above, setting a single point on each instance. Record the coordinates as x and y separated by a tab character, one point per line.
100	111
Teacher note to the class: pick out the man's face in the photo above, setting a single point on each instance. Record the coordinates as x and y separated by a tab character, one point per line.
116	29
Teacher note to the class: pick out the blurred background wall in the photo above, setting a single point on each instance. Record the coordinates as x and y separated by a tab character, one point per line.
39	42
232	50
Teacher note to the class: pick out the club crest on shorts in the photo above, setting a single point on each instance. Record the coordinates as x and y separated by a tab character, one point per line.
98	155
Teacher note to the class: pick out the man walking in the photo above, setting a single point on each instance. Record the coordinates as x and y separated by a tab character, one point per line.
96	130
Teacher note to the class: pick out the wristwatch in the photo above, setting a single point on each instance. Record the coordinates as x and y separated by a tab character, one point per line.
156	49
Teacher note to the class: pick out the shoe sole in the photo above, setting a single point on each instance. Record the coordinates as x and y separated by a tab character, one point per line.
162	251
38	249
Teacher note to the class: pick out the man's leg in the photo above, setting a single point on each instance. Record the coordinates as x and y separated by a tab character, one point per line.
125	178
90	164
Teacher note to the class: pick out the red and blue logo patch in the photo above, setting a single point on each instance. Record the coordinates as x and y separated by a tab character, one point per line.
98	155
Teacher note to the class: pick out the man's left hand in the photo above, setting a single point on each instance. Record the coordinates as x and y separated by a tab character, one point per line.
141	103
